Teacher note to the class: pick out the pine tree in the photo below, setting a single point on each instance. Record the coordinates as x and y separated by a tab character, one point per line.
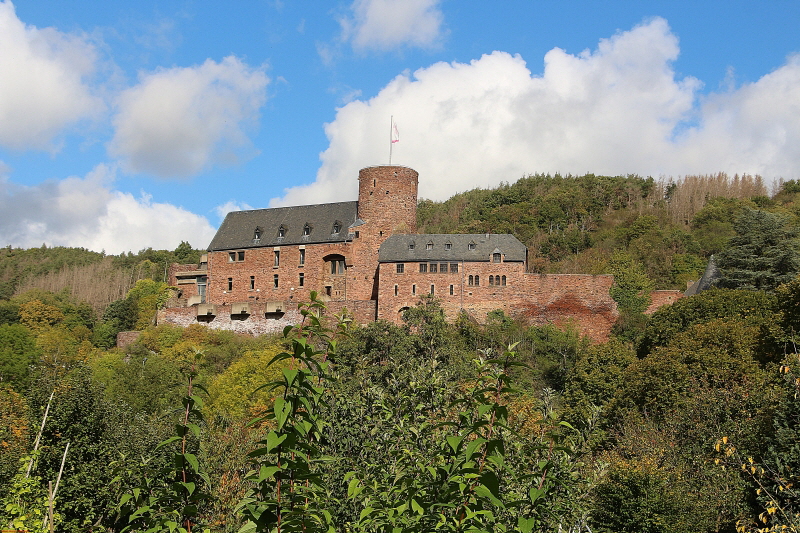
762	255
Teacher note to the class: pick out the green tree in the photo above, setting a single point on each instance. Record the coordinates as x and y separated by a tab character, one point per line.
18	355
762	255
631	288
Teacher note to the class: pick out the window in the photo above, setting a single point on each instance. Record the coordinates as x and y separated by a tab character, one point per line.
491	280
448	245
423	267
395	290
336	227
302	256
503	281
252	282
257	235
337	266
400	267
282	232
432	291
302	280
411	246
414	290
454	268
471	246
496	257
429	246
230	284
306	230
443	268
275	281
477	281
432	267
451	290
471	281
235	256
277	258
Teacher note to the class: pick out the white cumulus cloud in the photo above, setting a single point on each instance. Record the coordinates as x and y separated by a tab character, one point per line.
617	109
87	212
388	24
178	121
43	87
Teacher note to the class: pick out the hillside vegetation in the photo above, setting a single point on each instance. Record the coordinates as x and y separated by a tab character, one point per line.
685	421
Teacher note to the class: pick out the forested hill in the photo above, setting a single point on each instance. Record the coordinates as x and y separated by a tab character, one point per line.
685	421
92	277
573	224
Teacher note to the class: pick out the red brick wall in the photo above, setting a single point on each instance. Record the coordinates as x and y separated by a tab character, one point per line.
260	263
540	299
125	338
661	298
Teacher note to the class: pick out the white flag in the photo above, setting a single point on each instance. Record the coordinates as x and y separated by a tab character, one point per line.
395	133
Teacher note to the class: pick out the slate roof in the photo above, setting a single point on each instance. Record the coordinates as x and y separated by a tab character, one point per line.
396	248
707	281
238	229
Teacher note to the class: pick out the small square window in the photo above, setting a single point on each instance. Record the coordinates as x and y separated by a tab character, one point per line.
400	268
443	268
454	268
432	267
423	267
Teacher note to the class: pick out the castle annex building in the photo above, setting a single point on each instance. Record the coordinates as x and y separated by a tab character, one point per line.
367	256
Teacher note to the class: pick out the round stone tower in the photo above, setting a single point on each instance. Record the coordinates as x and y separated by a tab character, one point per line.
387	205
387	199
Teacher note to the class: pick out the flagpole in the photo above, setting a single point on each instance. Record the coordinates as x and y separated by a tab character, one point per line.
391	144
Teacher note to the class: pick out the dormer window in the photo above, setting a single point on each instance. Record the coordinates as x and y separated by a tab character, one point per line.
471	246
429	246
497	257
448	245
336	227
306	230
282	232
411	245
257	235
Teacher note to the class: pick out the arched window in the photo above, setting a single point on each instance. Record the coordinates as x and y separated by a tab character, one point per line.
503	282
335	264
496	257
471	281
477	281
491	280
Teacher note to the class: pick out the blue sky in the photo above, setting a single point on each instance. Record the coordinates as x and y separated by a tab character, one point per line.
132	124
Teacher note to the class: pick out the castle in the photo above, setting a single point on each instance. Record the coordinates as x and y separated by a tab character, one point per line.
367	256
